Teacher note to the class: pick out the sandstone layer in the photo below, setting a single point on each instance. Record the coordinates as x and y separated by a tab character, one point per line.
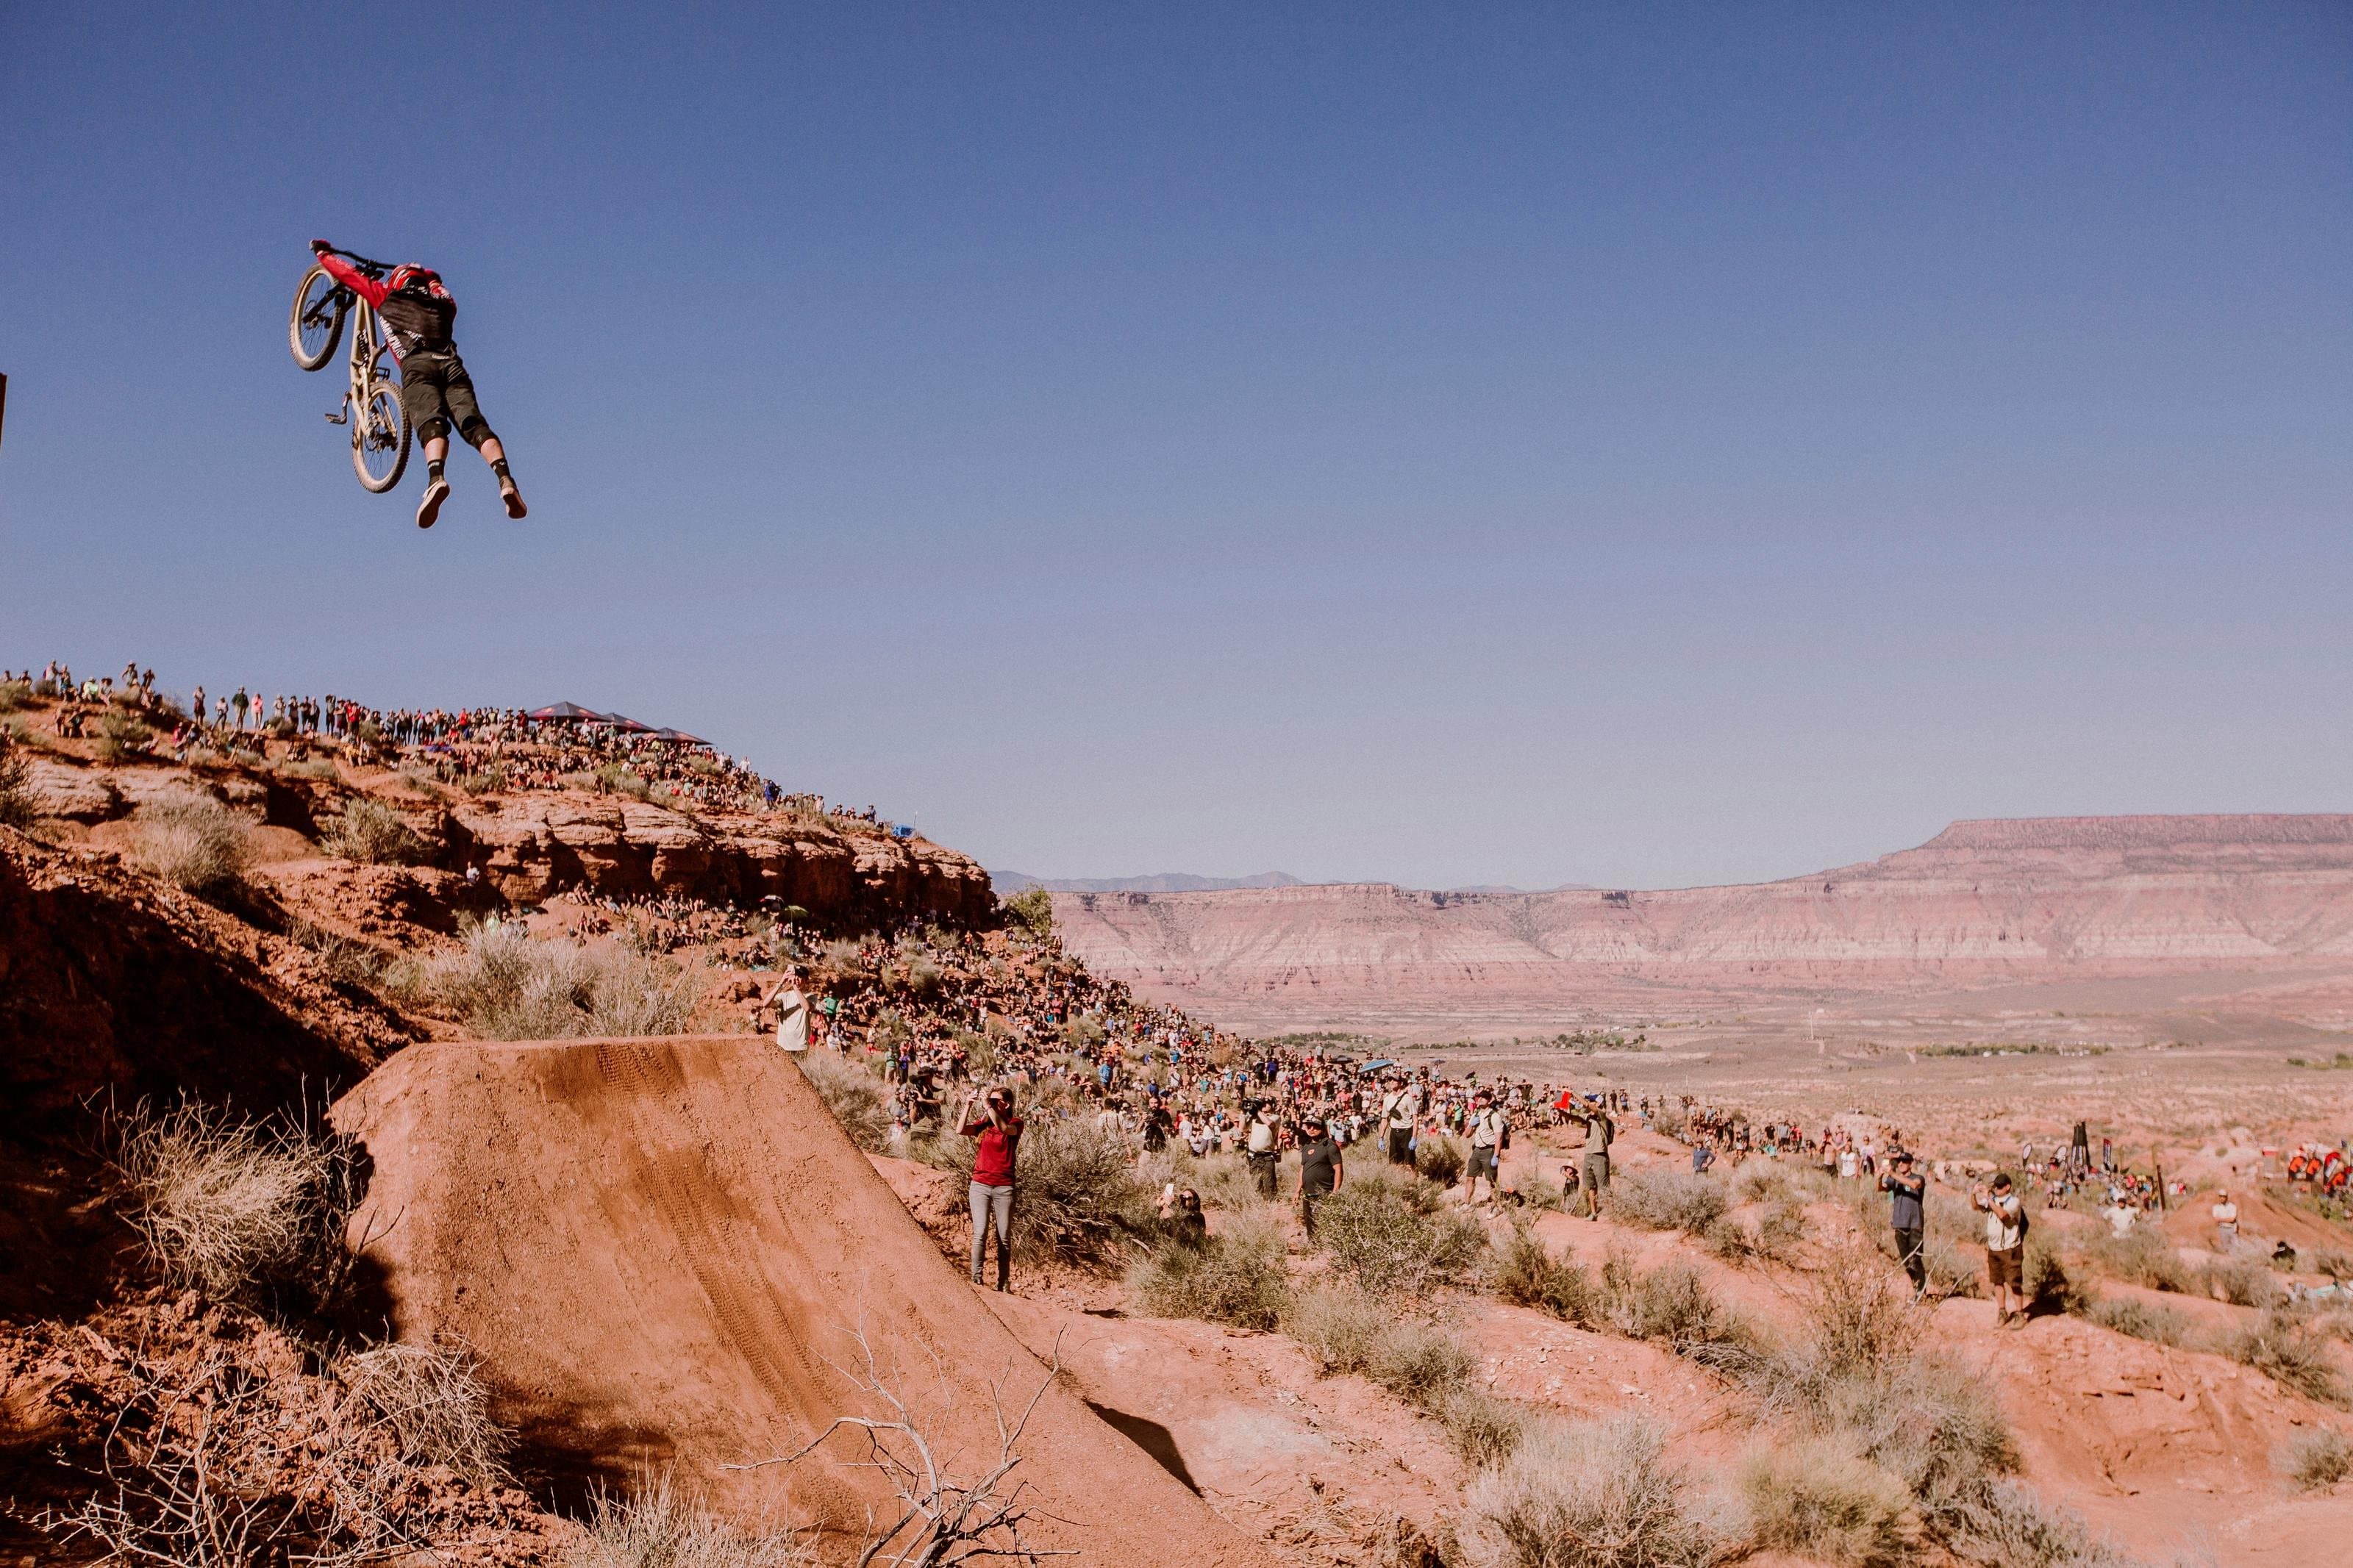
1984	904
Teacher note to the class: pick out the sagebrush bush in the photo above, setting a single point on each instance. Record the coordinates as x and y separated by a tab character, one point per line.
433	1400
2242	1282
1234	1277
1664	1198
1032	909
1525	1275
508	984
2009	1527
2317	1459
17	807
854	1096
1339	1326
227	1205
1483	1430
2288	1352
369	831
2141	1320
1772	1234
1675	1305
1076	1193
2048	1285
1589	1494
1437	1159
664	1527
1391	1236
2139	1256
1934	1426
197	845
1818	1498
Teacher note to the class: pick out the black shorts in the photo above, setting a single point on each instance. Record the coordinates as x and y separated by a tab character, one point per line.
435	393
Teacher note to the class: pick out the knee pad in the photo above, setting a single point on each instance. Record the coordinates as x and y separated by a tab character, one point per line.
433	429
477	430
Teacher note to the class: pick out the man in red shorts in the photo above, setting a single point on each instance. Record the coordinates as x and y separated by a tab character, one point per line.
435	389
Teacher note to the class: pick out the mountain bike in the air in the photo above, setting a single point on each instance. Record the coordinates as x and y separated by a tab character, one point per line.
372	402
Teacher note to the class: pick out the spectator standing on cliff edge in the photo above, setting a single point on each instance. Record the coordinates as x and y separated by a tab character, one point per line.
997	1147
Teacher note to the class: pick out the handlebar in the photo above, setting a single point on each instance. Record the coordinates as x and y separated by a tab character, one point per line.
367	266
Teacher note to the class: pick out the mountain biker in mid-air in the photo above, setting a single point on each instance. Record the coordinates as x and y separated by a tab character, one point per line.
434	390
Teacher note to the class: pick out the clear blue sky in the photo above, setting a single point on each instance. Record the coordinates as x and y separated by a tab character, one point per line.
1642	445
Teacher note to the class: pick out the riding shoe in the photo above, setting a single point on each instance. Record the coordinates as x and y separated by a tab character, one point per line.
429	509
514	497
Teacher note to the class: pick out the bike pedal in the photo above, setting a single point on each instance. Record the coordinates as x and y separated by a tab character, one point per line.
338	417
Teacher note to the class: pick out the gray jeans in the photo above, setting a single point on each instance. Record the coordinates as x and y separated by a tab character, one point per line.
992	1203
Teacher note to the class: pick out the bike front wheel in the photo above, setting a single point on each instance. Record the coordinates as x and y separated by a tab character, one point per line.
316	323
380	438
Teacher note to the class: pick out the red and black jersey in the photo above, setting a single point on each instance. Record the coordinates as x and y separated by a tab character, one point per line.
417	309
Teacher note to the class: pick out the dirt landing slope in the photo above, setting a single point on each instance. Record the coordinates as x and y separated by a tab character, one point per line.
657	1245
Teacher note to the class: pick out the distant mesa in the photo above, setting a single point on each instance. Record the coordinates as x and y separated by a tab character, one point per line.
1010	883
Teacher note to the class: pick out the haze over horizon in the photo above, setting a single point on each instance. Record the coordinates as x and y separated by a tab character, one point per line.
1660	449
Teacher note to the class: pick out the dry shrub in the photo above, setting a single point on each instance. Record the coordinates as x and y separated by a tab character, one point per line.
1235	1277
1589	1494
853	1095
1772	1234
1419	1362
1343	1329
2242	1282
2316	1460
1525	1275
664	1527
231	1206
1663	1198
2289	1351
197	845
1820	1498
2139	1256
1340	1328
2011	1528
372	832
18	808
432	1401
508	984
2141	1320
120	736
2048	1285
1438	1160
1675	1305
1483	1430
1076	1196
1936	1428
1391	1237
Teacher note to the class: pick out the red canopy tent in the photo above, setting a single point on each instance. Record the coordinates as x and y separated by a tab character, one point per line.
571	711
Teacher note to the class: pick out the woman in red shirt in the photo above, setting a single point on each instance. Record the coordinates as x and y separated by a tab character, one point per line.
997	1145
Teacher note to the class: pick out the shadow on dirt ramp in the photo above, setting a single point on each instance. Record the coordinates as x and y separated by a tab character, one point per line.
664	1251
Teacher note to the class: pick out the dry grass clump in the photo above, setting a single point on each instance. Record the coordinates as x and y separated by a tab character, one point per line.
2141	1320
1438	1160
2242	1282
663	1527
1820	1498
369	831
1391	1237
1772	1234
17	809
230	1206
1343	1329
197	845
1675	1305
508	984
1525	1275
1662	1198
853	1095
432	1401
2316	1460
2139	1256
2011	1528
1234	1277
1589	1494
2290	1352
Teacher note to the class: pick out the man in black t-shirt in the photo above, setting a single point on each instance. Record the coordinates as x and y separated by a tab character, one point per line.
1319	1169
1907	1193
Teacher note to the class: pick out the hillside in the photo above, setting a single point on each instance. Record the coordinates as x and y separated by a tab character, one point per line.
2247	900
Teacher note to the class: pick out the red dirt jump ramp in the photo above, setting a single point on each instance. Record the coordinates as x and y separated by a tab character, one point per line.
661	1248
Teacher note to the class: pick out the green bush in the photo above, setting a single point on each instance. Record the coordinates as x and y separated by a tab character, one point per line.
2048	1286
1076	1196
1438	1160
1391	1237
1236	1276
2139	1256
1525	1275
1675	1305
1032	909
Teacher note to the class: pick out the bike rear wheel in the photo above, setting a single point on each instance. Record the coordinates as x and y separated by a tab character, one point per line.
380	438
315	325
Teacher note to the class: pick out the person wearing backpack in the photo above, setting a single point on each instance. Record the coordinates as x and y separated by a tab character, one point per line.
2005	1231
1487	1133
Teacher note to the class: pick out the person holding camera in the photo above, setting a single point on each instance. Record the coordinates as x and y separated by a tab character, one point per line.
1907	1193
996	1146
